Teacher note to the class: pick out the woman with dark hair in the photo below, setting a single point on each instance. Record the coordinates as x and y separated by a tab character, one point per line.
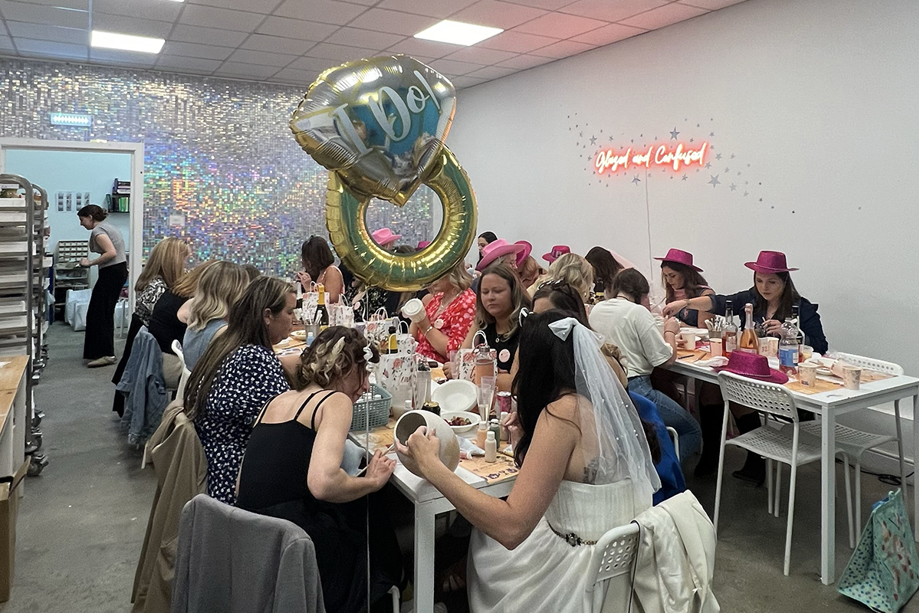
585	467
106	240
292	469
683	280
605	269
485	238
235	376
319	267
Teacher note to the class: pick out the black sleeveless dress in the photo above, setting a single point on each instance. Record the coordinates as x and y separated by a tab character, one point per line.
273	482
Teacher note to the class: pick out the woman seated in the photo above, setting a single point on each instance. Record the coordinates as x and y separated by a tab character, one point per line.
292	470
220	287
236	376
448	315
574	270
626	321
605	270
683	281
585	468
319	267
497	315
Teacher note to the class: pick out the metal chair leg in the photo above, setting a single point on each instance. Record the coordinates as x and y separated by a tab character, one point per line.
724	436
791	517
778	487
849	502
769	485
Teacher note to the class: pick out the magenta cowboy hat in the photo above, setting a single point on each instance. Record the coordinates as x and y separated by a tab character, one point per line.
754	366
769	262
523	255
494	250
384	236
557	252
422	245
678	256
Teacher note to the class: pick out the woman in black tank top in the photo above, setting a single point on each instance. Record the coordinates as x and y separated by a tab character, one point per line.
292	470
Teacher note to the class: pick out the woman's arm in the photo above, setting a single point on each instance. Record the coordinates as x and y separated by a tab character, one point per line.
702	303
326	479
703	314
509	522
812	327
108	251
184	313
334	284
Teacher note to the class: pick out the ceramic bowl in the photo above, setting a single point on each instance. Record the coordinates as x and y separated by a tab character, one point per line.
456	395
473	419
298	335
449	446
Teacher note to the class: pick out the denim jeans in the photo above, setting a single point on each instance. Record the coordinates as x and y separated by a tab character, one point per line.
673	415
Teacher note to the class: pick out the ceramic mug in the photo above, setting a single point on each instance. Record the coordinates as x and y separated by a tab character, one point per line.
449	452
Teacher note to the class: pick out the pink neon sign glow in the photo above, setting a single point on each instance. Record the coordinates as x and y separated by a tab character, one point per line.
674	156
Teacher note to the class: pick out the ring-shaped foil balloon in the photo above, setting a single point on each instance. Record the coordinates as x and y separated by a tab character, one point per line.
379	126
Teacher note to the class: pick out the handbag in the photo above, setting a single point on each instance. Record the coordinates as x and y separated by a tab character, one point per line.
883	572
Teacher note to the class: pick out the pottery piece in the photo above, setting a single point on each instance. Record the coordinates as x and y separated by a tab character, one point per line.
449	446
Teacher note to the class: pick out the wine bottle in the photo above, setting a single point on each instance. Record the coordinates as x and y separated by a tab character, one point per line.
748	340
392	345
322	313
729	336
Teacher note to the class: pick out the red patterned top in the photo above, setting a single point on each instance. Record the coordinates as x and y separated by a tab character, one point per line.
455	322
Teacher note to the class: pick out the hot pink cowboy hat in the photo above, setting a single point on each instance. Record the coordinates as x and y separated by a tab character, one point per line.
770	262
678	256
422	245
557	252
523	255
384	236
754	366
494	250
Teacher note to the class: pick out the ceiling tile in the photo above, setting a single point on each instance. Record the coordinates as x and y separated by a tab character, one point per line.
611	11
498	14
428	48
516	42
255	6
713	5
291	75
193	50
123	57
664	16
194	64
246	70
295	28
76	36
197	15
337	54
478	55
549	5
311	64
276	44
130	25
46	15
431	8
608	34
323	11
492	72
563	48
464	82
393	22
82	5
560	25
6	43
522	62
262	58
141	9
47	48
450	67
361	2
366	39
206	36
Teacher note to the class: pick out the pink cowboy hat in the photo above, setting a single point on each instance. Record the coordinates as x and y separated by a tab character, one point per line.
557	252
422	245
494	250
770	262
523	255
678	256
384	236
754	366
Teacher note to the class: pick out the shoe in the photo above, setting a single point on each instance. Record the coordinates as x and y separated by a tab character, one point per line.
753	471
710	418
107	360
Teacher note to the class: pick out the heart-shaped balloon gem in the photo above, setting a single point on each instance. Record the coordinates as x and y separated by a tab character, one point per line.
379	123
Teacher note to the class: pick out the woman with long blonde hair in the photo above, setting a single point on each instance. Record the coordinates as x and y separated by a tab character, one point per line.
574	270
447	317
221	286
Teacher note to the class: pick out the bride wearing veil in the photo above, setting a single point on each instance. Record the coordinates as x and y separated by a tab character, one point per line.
585	467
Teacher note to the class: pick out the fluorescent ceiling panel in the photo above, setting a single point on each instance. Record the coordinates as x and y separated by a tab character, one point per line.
458	33
126	42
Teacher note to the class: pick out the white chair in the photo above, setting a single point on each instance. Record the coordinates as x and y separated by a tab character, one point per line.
856	442
773	444
183	380
614	556
675	438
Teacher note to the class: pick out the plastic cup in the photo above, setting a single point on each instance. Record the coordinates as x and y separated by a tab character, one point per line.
769	346
689	340
715	347
851	377
807	352
413	309
807	374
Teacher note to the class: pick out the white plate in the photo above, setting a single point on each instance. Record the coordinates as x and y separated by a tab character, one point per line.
299	335
473	418
456	395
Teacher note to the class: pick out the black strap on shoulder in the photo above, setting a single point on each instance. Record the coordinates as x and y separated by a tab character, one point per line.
313	420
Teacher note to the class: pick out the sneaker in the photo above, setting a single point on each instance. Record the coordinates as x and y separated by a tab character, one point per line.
107	360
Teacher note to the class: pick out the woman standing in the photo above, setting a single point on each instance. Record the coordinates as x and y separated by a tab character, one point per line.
236	376
319	267
106	240
447	316
485	239
220	287
605	270
682	280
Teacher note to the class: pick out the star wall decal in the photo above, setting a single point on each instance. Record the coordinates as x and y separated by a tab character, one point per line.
714	182
674	134
636	180
733	187
593	140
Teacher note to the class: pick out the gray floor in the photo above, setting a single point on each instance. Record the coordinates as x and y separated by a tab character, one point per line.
82	521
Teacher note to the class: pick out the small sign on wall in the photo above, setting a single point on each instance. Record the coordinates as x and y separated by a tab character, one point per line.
177	220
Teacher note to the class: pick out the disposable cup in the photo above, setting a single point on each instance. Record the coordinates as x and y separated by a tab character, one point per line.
851	377
807	374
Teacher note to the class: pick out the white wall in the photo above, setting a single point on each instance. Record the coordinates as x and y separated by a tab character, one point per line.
815	98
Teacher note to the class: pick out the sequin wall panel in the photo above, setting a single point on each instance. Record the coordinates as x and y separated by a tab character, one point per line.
217	151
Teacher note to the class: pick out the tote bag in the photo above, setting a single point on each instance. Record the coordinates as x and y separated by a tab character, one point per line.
883	572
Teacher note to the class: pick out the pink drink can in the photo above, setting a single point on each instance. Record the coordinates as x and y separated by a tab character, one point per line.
504	402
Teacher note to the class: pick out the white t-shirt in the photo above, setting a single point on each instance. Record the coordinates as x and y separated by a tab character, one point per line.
632	328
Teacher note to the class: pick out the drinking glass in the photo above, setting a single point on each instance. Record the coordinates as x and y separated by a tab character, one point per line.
486	393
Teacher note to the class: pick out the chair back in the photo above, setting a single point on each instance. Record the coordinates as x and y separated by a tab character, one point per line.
614	556
870	363
183	380
765	397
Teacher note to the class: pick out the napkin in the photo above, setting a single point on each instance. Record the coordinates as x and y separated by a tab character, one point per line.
718	360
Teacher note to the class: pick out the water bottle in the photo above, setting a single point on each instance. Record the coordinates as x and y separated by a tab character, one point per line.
788	349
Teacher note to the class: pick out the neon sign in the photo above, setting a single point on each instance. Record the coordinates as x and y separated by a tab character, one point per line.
612	161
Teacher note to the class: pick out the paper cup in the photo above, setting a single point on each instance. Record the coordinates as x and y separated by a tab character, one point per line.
715	346
769	346
851	377
689	338
413	309
807	374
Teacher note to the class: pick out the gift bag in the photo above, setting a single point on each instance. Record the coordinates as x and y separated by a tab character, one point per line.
465	364
883	572
396	374
405	341
376	329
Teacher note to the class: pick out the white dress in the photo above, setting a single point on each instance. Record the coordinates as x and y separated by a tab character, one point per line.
545	572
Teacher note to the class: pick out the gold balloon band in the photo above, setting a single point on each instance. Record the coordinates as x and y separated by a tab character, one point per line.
345	219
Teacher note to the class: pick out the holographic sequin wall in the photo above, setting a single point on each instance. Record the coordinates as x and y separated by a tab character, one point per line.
218	152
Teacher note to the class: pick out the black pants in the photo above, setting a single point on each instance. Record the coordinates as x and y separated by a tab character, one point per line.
100	316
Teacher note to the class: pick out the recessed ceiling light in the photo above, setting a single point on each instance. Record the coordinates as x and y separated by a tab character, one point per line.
126	42
458	33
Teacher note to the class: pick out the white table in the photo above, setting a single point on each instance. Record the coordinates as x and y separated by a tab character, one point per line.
829	405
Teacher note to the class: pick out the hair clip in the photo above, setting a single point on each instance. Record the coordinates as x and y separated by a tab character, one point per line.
368	357
524	313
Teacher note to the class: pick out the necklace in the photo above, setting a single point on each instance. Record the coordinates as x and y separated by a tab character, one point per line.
444	302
